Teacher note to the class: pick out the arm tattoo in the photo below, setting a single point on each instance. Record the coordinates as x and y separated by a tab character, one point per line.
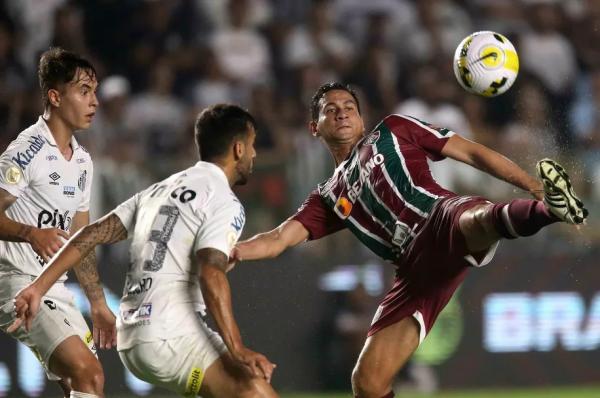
109	229
87	275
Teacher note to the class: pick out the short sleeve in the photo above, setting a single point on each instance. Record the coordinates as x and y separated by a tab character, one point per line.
317	218
85	184
428	137
127	211
13	178
221	226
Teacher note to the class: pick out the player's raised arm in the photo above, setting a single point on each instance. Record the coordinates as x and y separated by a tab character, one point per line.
108	229
271	244
217	295
493	163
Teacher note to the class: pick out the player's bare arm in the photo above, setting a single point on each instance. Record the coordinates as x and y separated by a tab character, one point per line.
273	243
493	163
103	320
45	242
217	295
108	229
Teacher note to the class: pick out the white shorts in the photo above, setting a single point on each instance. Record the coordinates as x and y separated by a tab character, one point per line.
57	320
179	363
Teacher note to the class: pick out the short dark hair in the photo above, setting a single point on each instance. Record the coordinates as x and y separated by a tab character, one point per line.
324	89
58	66
217	126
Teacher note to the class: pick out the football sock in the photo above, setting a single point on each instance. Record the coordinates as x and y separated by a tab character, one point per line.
77	394
521	217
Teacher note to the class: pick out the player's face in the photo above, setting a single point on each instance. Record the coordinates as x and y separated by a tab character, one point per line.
246	162
339	120
77	101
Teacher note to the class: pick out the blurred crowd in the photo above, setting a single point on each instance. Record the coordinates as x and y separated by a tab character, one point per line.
161	61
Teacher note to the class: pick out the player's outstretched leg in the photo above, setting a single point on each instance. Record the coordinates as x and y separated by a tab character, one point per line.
559	196
483	225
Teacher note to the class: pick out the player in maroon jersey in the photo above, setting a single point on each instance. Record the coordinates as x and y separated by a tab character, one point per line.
383	191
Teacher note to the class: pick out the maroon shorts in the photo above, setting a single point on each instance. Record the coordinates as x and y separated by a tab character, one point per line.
433	265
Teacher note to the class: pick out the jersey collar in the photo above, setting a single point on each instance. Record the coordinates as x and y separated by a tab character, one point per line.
43	127
216	169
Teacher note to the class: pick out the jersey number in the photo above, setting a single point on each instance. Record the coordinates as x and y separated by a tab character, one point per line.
161	238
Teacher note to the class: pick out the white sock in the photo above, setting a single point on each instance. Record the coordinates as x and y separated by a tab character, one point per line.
77	394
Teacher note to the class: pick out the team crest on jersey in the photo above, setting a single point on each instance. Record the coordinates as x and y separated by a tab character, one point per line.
82	180
231	239
13	175
372	138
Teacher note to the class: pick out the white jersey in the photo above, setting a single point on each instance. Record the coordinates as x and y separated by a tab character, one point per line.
49	190
169	222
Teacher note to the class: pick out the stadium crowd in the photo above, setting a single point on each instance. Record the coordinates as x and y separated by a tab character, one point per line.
161	61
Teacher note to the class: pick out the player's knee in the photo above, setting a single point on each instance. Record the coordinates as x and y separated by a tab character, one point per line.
88	374
368	384
477	228
251	388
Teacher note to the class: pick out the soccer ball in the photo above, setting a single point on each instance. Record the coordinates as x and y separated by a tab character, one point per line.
486	63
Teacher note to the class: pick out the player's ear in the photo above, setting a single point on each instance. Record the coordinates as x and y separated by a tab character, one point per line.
54	97
238	149
312	127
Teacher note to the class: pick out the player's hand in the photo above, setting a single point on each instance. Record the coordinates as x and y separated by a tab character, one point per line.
257	365
27	304
104	326
234	258
46	242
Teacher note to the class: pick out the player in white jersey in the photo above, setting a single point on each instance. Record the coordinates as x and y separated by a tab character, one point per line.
45	180
182	231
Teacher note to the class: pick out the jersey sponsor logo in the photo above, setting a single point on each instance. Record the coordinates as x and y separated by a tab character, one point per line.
134	288
69	191
54	177
51	158
355	188
13	175
343	207
372	138
82	180
88	339
194	382
143	312
54	219
239	220
22	159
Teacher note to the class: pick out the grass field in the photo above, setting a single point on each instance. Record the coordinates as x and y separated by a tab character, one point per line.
580	392
584	392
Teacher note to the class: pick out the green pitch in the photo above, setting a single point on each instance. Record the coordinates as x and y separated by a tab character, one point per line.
589	392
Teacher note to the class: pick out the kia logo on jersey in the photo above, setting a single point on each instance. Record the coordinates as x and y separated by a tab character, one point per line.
35	145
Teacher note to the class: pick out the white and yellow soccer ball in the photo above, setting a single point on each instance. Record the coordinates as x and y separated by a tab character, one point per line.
486	63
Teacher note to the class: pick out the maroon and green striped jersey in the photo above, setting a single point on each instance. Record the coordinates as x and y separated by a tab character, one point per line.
384	190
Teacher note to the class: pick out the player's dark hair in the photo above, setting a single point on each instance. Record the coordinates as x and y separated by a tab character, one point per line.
324	89
218	126
58	66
